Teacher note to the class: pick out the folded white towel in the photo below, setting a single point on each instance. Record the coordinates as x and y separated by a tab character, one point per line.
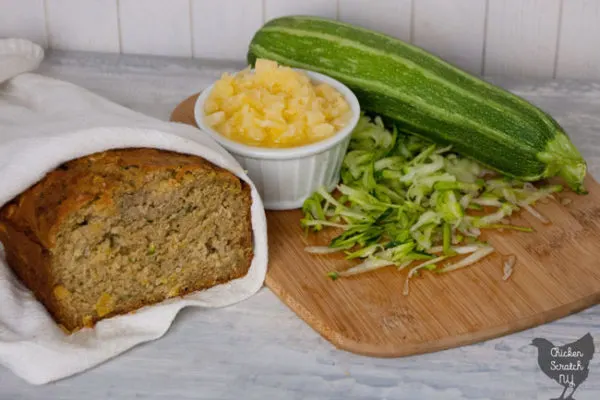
43	123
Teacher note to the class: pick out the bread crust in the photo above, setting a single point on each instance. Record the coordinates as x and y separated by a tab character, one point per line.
30	223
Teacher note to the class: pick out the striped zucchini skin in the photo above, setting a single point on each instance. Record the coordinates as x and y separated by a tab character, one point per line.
426	96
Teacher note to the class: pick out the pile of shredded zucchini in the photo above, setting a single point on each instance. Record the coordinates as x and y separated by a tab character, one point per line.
405	202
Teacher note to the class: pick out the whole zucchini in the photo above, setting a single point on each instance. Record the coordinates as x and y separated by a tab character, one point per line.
426	96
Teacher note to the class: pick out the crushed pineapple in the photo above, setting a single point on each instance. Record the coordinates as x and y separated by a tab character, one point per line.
87	320
105	304
275	106
61	292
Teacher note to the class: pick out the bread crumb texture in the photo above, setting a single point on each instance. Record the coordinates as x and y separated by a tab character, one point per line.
114	231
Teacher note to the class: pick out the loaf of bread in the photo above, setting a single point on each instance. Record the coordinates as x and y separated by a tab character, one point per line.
114	231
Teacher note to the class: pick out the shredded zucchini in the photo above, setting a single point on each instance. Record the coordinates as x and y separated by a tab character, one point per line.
403	199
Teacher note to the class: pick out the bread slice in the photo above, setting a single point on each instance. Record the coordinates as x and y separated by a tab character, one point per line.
114	231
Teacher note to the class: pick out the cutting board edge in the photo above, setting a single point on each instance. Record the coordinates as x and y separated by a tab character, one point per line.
379	350
183	113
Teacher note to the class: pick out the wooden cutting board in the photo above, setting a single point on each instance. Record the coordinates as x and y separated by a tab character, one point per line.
557	273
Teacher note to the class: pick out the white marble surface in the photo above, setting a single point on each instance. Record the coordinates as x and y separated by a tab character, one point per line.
259	349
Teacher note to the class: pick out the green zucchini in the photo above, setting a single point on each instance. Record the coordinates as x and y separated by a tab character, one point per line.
426	96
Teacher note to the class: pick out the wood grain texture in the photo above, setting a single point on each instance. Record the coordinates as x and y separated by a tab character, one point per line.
393	17
578	55
259	349
556	274
521	37
440	28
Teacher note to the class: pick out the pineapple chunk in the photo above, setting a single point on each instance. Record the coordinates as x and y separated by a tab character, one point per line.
104	305
275	106
215	118
265	66
314	117
323	130
61	292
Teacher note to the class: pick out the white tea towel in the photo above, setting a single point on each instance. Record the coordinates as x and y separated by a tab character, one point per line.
43	123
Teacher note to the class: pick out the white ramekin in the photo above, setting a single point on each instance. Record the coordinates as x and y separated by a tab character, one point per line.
285	177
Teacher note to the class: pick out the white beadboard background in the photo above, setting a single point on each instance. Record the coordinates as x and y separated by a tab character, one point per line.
531	38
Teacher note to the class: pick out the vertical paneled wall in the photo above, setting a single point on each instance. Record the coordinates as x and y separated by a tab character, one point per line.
454	30
538	38
522	37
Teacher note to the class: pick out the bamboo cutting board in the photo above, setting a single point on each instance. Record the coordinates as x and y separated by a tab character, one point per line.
557	273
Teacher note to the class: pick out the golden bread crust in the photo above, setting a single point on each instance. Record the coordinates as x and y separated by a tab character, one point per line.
31	223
